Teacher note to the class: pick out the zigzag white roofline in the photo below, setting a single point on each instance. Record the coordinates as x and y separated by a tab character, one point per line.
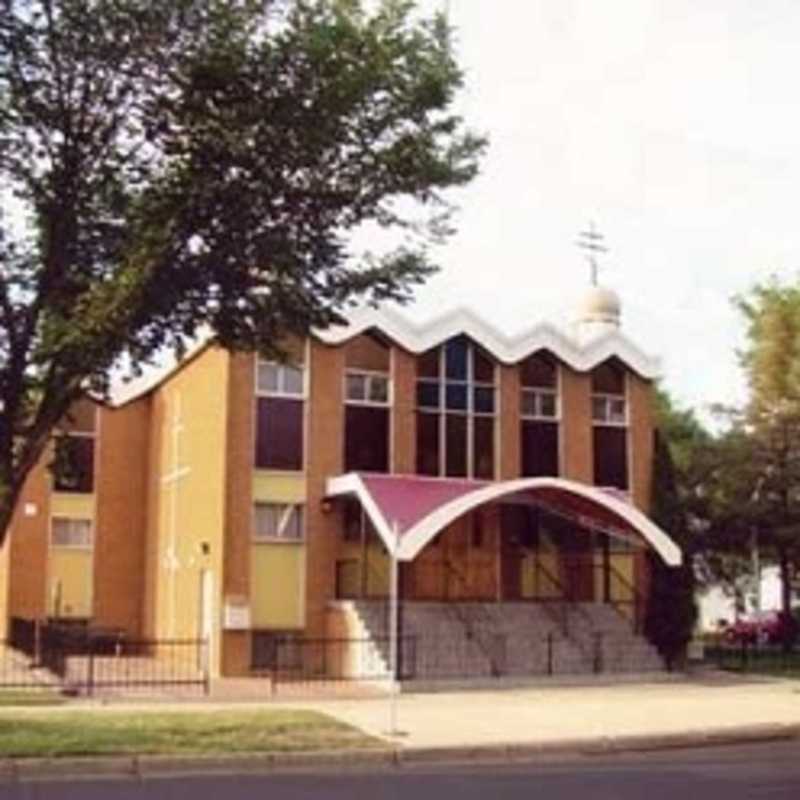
417	338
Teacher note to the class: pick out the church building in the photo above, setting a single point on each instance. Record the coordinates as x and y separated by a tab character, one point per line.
252	503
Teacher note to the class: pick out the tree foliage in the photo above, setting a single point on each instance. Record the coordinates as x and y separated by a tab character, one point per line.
203	164
671	608
771	425
751	493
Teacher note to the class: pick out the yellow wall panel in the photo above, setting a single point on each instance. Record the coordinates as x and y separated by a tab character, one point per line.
189	507
278	585
622	564
70	582
272	487
75	506
378	571
621	581
541	582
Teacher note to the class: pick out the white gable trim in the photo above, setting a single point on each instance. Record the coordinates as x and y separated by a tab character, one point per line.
418	338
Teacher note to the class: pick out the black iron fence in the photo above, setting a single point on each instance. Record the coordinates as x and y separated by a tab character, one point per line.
82	660
299	660
754	657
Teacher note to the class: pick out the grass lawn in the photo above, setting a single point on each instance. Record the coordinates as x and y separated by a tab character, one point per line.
23	697
84	733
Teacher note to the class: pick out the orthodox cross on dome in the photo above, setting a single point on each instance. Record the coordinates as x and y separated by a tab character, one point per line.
591	242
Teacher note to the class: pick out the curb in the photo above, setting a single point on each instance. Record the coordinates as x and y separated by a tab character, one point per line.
14	770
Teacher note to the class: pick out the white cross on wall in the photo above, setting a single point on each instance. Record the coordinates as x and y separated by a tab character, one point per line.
171	482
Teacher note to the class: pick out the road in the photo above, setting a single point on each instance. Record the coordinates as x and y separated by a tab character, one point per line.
755	772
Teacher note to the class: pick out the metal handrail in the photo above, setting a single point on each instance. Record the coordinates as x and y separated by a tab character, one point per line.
539	568
460	612
636	598
561	614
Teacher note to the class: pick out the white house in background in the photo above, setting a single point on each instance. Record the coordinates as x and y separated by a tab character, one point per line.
716	603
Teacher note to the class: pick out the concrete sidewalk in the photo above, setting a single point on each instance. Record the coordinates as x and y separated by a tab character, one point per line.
544	722
595	713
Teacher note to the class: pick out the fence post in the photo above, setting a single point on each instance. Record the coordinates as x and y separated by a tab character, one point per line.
549	653
90	671
37	641
206	645
598	653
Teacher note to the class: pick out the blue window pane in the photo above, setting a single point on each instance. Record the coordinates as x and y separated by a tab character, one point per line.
484	400
456	352
428	394
456	397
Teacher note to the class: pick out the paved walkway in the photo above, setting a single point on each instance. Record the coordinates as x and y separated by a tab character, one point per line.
551	715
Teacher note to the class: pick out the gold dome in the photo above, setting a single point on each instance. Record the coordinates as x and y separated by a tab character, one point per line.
600	305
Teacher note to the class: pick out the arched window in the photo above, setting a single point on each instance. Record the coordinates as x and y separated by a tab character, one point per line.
610	425
367	396
280	411
540	410
456	407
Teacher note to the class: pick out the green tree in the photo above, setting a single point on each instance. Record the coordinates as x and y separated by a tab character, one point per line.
766	468
204	163
671	610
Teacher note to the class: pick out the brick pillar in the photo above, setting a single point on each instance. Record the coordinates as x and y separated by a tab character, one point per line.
29	546
640	440
576	426
240	463
509	424
404	421
324	459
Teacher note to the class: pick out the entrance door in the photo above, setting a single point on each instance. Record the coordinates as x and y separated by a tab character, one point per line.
511	571
205	618
514	524
577	562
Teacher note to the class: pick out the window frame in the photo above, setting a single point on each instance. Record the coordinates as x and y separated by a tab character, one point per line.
55	480
89	521
304	365
369	376
538	393
284	519
469	411
281	391
608	419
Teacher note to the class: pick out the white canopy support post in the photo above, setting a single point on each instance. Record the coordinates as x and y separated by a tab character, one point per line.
394	630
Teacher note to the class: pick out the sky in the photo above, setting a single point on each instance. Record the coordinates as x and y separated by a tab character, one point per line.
674	125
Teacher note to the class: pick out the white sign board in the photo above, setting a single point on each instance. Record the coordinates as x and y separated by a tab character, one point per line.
236	615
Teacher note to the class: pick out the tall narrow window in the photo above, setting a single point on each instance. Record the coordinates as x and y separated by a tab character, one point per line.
280	403
540	412
367	396
610	421
74	451
456	400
